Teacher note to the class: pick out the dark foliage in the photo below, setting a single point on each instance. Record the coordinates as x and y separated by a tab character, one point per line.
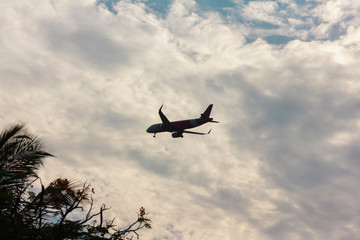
48	212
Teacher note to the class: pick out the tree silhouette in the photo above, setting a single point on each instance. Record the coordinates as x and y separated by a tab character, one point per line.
49	212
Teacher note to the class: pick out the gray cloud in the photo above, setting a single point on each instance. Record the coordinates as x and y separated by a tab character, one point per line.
87	44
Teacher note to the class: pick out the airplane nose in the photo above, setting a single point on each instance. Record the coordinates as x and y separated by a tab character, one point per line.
148	130
151	129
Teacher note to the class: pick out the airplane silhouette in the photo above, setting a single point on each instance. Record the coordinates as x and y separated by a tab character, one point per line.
178	128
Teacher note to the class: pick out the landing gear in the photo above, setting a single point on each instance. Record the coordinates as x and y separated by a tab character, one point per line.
154	134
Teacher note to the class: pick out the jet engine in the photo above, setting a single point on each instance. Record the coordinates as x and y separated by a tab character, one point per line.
176	135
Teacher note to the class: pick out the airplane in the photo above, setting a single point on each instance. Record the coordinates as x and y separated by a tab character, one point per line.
179	127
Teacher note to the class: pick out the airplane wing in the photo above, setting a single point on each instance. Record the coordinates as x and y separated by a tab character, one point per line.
198	133
166	121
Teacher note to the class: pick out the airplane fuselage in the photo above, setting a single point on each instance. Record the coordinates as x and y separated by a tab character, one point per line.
183	124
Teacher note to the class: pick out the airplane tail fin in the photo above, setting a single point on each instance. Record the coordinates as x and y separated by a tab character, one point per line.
206	115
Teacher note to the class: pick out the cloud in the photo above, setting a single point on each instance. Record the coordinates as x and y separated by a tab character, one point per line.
282	21
290	127
281	164
262	11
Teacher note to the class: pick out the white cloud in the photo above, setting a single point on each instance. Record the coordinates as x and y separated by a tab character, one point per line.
262	11
282	163
289	20
337	11
335	17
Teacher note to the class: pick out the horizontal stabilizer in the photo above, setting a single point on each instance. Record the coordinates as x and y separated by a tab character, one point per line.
198	133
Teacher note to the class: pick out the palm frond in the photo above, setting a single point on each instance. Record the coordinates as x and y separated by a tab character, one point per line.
21	154
10	132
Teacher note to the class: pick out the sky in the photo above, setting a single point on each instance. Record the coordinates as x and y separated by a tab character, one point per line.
89	76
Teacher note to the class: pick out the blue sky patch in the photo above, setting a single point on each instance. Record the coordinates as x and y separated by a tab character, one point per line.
109	4
278	39
215	5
